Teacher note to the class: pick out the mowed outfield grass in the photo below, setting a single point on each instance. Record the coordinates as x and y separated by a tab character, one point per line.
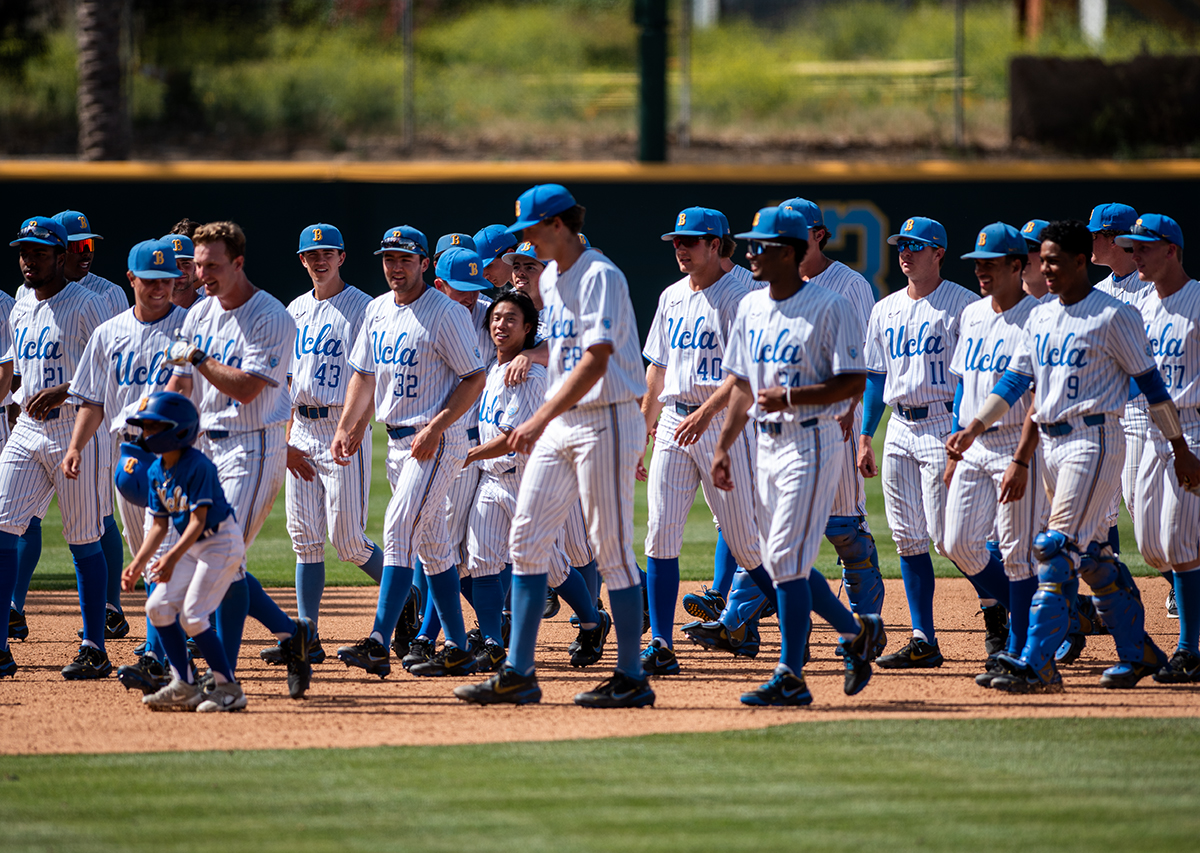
273	562
1020	785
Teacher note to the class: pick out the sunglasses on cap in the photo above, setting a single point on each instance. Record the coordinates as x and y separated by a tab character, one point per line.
78	247
757	247
39	232
1140	230
911	245
402	244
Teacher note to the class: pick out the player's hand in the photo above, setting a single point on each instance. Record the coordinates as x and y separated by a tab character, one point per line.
692	427
846	422
866	458
297	463
129	577
964	438
45	400
425	443
722	476
640	473
773	399
1187	467
71	463
180	352
1013	483
161	569
517	370
344	447
948	474
525	436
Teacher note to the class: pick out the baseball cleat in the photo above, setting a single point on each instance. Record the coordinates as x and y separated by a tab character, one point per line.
659	659
784	688
917	654
1070	649
116	626
1183	668
299	649
274	655
475	641
490	658
176	696
147	675
995	625
1025	680
743	642
574	620
707	606
8	667
451	660
858	651
506	686
89	663
1172	607
369	654
409	625
619	691
991	668
141	648
552	604
591	642
18	628
223	697
421	651
1126	675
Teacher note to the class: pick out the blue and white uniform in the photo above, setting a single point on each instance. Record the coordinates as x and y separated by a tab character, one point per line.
6	305
112	295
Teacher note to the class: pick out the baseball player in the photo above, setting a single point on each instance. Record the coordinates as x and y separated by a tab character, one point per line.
188	289
452	240
122	363
795	352
1167	506
236	347
417	359
50	328
492	243
911	337
1081	350
583	442
1034	281
997	483
324	497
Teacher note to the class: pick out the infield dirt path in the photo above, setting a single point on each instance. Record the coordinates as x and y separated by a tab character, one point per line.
42	713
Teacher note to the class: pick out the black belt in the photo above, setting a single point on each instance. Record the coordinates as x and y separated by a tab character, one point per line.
473	433
684	409
313	412
216	434
52	415
772	428
402	432
1064	428
920	413
991	429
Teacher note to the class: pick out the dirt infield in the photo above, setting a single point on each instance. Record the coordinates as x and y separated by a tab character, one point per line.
42	713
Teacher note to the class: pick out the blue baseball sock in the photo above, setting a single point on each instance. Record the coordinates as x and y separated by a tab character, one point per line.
154	644
489	601
310	586
825	604
264	609
114	559
374	564
466	586
528	602
591	576
575	593
1114	539
724	566
231	619
91	575
795	618
394	589
992	582
175	642
431	625
444	589
1187	602
209	645
1020	599
8	573
627	623
29	551
506	583
762	580
917	572
662	582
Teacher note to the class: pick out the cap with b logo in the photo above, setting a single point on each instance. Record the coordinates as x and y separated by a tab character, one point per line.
404	238
812	213
997	241
1032	232
180	244
1150	227
696	222
1112	217
540	202
525	250
43	231
492	241
921	228
725	229
76	225
320	236
772	222
462	269
447	241
153	259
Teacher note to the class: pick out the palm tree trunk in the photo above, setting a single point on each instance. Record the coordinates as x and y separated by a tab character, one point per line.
101	97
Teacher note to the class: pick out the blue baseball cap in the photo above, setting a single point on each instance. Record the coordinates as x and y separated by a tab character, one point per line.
724	220
42	230
1111	217
921	228
583	241
77	226
404	238
695	222
525	250
537	203
1150	227
180	244
320	236
812	213
462	269
997	241
1032	232
772	222
447	241
492	241
153	259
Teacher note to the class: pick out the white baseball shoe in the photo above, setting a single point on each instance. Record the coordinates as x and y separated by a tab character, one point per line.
223	697
176	696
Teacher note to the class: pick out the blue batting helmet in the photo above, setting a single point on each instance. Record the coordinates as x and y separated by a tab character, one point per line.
133	474
174	410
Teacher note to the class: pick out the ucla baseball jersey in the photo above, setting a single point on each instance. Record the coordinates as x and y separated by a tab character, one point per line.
111	294
1082	355
1173	327
802	340
688	334
850	284
49	336
257	338
503	408
912	341
417	353
123	362
190	483
589	305
987	342
1128	289
326	329
746	278
487	348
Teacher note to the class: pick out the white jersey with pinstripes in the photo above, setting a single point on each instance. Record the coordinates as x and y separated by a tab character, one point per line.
798	341
6	306
745	278
986	344
1173	328
49	336
417	353
487	348
255	337
587	305
849	283
326	329
687	337
110	293
1131	290
912	340
502	408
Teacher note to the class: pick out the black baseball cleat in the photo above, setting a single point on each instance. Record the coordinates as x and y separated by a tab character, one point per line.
707	605
858	651
591	642
991	668
299	666
8	667
659	659
18	628
506	686
475	641
274	655
784	688
89	663
116	626
619	691
490	658
743	642
409	625
917	654
1183	668
369	654
1125	675
421	651
552	604
147	675
451	660
1025	680
995	626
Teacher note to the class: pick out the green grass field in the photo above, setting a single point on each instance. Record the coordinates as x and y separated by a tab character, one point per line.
1023	785
273	562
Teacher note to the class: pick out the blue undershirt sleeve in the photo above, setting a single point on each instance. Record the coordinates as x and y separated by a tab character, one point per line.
873	402
1011	386
1152	386
958	394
